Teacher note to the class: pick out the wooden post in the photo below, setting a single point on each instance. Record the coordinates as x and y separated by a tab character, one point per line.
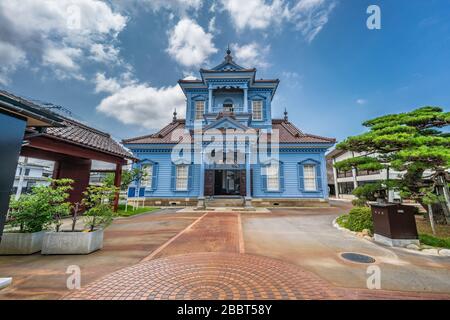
117	181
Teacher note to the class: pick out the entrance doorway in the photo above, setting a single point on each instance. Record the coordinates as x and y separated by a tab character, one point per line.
227	182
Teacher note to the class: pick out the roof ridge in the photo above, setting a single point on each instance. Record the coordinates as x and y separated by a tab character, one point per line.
159	133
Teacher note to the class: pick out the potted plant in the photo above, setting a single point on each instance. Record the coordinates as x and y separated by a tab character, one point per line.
31	215
98	202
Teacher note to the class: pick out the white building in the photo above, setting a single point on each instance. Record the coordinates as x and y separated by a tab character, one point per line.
31	172
344	182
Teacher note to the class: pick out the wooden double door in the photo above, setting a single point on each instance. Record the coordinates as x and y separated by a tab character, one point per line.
225	182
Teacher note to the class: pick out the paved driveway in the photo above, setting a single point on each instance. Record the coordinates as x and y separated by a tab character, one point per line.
285	254
307	238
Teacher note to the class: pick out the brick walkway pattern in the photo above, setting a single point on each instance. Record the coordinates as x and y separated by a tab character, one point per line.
209	276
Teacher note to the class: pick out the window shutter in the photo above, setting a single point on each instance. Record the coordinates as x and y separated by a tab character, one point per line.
281	173
155	176
318	177
173	177
264	177
131	192
190	176
301	181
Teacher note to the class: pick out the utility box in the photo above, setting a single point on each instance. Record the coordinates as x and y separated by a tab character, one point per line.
394	224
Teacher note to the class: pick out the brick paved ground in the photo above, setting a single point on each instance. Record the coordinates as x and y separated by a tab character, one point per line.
214	232
223	276
201	256
210	276
205	261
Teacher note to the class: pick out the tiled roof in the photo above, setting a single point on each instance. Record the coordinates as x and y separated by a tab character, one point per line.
80	134
288	133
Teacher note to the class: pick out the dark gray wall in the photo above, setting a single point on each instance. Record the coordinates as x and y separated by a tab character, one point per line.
11	136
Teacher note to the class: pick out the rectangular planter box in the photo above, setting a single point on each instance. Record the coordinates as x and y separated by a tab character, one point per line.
21	243
72	242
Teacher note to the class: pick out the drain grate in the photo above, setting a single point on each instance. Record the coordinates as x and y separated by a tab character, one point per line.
357	257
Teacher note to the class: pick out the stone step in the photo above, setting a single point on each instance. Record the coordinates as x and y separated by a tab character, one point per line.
235	202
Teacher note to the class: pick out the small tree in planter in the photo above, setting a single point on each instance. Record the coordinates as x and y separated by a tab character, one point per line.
33	213
98	201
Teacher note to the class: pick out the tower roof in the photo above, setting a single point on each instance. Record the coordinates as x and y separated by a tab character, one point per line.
228	65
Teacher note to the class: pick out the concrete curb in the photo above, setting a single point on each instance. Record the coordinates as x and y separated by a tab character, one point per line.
422	250
5	282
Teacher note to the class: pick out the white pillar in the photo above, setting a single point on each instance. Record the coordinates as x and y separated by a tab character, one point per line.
336	185
248	179
245	100
210	97
21	178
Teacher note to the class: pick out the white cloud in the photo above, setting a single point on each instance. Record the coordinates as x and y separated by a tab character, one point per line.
142	104
11	58
62	57
212	26
60	34
178	6
361	101
103	84
255	14
104	53
310	16
189	44
251	55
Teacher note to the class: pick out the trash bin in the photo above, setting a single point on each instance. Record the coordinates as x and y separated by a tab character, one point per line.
394	224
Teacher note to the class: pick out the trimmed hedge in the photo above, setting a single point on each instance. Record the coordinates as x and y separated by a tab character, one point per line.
357	219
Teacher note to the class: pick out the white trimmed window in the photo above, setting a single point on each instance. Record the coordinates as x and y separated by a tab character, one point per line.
199	110
257	110
182	176
147	177
273	177
309	172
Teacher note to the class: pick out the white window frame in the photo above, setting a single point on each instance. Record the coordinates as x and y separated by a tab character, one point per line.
181	178
258	116
310	177
273	177
147	178
199	109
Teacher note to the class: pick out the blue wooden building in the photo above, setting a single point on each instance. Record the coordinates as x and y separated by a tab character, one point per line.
230	147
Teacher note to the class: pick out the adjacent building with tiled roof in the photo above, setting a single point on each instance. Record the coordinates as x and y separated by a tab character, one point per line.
229	146
75	132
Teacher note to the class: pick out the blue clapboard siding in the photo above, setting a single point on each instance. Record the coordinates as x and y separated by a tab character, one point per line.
164	188
291	183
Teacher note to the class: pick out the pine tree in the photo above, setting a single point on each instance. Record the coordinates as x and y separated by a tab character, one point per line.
417	143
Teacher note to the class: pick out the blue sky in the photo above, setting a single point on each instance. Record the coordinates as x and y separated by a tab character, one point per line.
115	64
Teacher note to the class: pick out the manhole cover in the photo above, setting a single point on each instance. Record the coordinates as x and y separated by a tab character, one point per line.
357	257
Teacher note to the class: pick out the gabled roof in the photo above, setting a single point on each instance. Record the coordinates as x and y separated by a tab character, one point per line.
75	132
228	65
288	133
226	121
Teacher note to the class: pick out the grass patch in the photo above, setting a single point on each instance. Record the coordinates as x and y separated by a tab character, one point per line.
429	240
122	213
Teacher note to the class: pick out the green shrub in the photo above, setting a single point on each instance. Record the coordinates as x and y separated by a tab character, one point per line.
35	212
357	220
